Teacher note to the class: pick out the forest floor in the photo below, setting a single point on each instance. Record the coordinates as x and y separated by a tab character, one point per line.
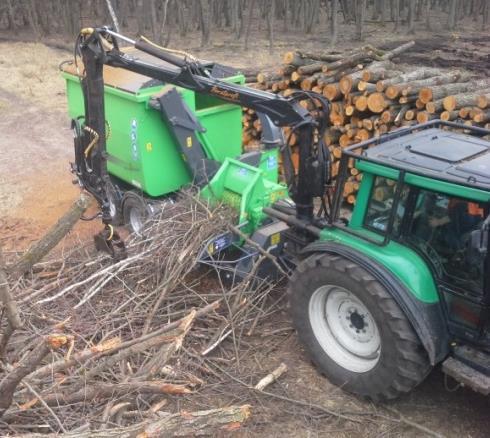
36	188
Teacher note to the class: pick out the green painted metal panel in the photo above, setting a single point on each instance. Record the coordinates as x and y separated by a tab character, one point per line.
448	188
377	169
141	149
246	189
401	261
221	139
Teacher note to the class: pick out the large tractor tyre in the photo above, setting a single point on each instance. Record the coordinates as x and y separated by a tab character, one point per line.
354	331
135	212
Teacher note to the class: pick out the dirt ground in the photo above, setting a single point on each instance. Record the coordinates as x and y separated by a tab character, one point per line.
36	188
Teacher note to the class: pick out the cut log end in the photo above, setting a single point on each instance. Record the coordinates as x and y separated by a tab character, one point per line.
345	84
425	95
376	103
361	103
449	103
392	92
482	101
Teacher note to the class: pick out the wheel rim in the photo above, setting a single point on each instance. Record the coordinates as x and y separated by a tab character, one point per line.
112	207
345	328
136	219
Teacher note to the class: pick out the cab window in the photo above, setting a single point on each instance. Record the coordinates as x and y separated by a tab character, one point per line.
440	227
381	203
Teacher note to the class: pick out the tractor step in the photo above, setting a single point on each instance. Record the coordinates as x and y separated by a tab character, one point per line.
467	375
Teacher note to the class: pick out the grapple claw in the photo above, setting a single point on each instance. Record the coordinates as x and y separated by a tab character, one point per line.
108	240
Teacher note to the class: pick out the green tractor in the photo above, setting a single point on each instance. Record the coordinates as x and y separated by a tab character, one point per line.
404	284
379	295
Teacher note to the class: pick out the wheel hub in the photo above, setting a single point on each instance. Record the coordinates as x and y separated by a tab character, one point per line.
136	219
345	328
357	321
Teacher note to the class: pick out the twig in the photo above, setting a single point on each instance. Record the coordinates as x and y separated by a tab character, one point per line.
402	419
272	377
38	396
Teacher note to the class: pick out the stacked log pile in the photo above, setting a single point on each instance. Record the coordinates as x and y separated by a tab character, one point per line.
372	94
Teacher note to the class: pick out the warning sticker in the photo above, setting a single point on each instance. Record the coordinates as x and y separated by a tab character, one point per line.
133	135
271	162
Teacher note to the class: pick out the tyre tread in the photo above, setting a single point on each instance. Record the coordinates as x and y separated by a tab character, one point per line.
412	360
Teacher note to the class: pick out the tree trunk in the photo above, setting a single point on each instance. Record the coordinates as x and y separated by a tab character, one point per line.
153	20
26	365
438	92
11	16
213	422
411	16
451	103
270	24
115	22
395	13
410	88
249	22
333	22
428	23
140	8
164	22
205	9
485	14
10	309
420	73
452	17
360	14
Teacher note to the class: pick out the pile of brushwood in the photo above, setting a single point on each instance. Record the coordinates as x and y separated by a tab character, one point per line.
151	345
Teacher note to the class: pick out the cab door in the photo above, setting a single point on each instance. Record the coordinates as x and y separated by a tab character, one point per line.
440	227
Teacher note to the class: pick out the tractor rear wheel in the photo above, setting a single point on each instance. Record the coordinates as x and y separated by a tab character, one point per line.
135	212
353	329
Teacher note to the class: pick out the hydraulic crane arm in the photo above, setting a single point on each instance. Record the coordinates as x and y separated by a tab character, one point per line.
99	47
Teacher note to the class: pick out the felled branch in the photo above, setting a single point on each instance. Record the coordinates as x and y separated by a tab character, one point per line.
104	390
210	422
43	246
28	363
11	310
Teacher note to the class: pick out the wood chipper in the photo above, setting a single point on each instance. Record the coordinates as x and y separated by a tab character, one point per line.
380	295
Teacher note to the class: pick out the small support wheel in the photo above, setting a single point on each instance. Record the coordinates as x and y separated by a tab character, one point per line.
114	199
353	329
135	212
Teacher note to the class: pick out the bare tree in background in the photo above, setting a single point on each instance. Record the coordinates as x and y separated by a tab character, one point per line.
270	23
452	17
333	22
395	13
160	19
411	16
360	14
113	15
205	8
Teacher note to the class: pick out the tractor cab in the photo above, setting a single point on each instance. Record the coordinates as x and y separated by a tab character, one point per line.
403	283
430	192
